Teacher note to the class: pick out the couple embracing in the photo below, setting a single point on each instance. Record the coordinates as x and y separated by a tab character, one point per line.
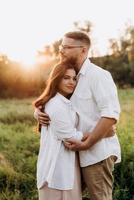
77	112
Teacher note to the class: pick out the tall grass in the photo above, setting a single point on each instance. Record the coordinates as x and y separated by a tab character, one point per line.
124	172
19	149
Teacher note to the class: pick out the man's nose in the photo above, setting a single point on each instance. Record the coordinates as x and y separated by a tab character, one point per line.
61	50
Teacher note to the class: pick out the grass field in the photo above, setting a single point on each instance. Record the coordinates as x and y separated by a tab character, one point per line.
19	148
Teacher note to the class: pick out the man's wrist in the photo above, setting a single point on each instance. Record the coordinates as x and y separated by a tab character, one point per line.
86	144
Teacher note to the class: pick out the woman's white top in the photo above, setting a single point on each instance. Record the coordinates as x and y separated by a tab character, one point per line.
55	166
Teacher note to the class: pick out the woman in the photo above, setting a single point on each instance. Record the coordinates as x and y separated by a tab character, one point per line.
58	174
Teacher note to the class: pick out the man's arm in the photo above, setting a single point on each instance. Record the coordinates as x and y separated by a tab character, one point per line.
112	131
99	132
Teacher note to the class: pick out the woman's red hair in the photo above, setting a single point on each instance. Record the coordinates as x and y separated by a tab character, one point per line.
52	86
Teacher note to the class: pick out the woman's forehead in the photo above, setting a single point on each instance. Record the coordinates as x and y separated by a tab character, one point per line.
70	72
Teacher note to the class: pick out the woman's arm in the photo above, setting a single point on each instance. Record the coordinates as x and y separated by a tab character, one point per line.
63	126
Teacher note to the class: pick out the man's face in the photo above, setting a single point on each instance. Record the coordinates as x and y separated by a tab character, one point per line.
70	50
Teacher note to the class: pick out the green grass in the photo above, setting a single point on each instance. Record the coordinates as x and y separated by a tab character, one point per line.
19	149
124	172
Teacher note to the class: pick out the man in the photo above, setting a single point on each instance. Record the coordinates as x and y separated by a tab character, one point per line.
95	99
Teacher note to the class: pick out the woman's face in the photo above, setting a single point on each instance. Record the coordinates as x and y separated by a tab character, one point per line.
68	82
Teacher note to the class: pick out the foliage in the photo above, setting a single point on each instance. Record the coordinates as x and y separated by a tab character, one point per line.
17	81
86	26
18	151
20	82
122	71
120	61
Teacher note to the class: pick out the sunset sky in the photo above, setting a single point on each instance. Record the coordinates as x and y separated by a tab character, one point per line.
27	25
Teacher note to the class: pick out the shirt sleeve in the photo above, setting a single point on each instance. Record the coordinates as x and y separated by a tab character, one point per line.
105	94
63	126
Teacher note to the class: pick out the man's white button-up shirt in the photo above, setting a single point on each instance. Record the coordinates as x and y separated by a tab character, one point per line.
96	96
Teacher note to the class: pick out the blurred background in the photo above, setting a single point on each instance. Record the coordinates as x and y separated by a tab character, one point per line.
30	36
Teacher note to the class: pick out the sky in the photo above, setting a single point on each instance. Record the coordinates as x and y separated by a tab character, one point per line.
28	25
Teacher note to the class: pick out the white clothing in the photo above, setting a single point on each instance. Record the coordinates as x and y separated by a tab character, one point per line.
46	193
55	166
95	96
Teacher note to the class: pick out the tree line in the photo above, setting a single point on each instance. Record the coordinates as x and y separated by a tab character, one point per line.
15	81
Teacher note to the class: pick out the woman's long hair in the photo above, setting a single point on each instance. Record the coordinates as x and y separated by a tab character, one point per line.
53	82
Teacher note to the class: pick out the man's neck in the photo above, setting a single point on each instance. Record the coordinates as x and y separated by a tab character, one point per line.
80	63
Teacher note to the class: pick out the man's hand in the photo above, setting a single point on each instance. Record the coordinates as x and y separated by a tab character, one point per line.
72	144
42	117
76	145
85	136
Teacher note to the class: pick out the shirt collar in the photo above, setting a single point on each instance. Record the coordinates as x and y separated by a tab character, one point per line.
84	67
63	98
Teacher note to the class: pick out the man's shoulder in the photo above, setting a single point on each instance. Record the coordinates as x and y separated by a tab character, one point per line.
95	70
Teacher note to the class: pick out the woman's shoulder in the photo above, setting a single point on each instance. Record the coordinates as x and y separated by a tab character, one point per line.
54	105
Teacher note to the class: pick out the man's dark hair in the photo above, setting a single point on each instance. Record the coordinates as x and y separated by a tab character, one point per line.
79	35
